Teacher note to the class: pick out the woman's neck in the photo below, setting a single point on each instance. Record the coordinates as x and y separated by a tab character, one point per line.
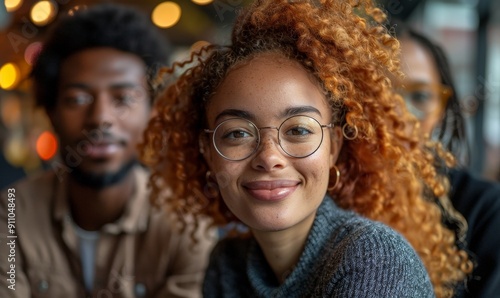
283	249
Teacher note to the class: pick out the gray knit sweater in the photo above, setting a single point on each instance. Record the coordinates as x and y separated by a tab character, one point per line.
345	255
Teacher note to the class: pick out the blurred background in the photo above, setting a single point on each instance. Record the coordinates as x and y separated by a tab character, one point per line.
468	30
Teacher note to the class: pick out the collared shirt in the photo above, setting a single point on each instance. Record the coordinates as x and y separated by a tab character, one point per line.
140	255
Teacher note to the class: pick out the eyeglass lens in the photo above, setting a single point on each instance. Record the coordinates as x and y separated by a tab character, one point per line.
424	99
237	138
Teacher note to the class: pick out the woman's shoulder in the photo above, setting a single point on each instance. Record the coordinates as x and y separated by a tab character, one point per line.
364	253
357	229
346	225
355	237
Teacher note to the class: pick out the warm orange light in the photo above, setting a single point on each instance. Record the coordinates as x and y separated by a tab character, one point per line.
12	5
166	14
15	150
43	12
76	9
10	109
202	2
46	145
9	76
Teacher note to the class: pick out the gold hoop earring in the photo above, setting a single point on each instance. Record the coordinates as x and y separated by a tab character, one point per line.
337	180
201	145
347	131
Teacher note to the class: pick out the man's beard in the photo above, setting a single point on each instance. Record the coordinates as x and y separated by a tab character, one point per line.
100	181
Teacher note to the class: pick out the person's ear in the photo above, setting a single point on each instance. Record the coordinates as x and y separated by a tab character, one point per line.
336	139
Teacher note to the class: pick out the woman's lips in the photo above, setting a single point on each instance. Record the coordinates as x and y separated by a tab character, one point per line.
271	190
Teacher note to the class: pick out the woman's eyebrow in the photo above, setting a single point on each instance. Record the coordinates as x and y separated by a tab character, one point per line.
236	113
292	111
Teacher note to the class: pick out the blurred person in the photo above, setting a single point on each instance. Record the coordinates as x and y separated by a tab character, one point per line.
295	131
86	227
430	94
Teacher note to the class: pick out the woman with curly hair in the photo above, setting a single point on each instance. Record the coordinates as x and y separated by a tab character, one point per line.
294	130
430	93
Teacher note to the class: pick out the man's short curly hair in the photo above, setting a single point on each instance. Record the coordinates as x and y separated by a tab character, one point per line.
107	25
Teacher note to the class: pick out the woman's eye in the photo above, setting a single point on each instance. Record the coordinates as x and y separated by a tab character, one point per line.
298	131
420	97
237	134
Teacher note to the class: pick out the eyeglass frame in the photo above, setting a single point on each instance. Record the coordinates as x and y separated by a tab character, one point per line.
445	92
206	130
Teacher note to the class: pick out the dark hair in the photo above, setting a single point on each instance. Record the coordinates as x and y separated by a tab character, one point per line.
451	131
106	25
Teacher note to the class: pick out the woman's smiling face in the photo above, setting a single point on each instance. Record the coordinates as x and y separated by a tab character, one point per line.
270	190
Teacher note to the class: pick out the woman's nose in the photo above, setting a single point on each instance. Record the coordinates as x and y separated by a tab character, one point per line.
269	155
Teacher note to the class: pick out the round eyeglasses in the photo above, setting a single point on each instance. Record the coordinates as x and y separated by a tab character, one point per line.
236	139
423	99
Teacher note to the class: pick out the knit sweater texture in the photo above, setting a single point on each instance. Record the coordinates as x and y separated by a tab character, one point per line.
346	255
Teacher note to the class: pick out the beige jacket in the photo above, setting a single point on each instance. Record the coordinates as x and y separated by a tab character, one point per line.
140	255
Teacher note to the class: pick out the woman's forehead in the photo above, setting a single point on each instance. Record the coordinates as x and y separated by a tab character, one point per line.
267	85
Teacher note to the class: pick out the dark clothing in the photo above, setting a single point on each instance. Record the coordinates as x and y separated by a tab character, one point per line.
9	173
345	255
479	202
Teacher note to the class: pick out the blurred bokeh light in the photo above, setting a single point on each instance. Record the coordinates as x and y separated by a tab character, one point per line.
13	5
16	150
46	145
202	2
32	52
166	14
43	12
10	108
9	76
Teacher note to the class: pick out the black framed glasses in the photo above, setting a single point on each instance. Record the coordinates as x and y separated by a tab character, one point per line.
236	139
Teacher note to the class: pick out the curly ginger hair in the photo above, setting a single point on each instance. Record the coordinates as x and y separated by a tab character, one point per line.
387	173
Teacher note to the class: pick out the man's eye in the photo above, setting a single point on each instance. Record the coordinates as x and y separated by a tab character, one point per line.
127	98
78	100
124	99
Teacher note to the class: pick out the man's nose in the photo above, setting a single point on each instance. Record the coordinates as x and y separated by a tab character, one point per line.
102	111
